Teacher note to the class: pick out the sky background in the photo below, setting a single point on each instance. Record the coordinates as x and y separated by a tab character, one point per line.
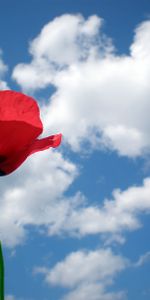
75	220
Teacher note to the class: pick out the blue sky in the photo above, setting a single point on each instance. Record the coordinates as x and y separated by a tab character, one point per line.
75	221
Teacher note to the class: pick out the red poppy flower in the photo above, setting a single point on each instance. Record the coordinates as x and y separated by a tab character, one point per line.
20	125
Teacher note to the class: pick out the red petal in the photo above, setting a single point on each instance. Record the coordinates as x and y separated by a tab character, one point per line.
45	143
20	122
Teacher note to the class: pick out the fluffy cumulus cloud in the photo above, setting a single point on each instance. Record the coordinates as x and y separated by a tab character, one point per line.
87	274
35	195
101	98
116	215
61	42
3	69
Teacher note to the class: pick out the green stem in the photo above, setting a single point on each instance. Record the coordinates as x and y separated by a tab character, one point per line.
1	274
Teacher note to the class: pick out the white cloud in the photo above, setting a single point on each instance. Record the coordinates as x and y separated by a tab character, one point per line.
100	97
3	85
114	216
10	297
141	39
82	266
128	141
33	195
60	43
87	274
3	70
94	292
3	67
145	258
